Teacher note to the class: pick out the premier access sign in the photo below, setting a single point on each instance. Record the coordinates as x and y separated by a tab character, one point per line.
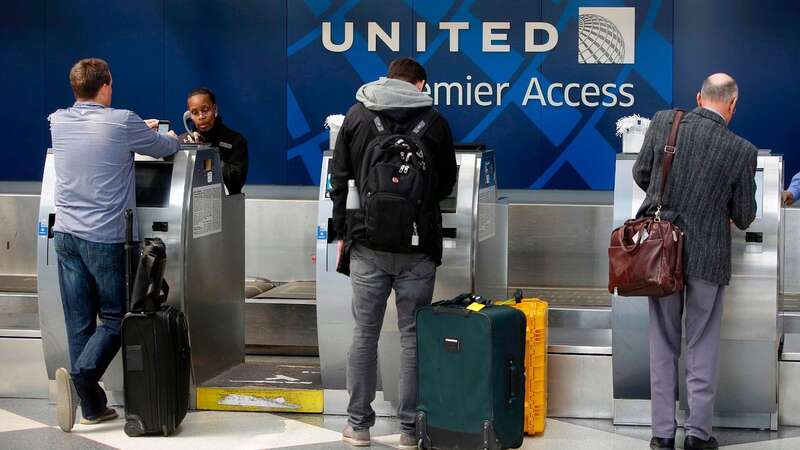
606	35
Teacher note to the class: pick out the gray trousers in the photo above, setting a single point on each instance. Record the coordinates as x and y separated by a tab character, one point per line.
703	305
373	275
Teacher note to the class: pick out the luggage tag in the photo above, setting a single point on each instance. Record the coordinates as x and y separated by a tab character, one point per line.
644	234
475	306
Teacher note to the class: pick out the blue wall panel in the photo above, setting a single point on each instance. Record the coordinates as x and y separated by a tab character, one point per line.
129	35
276	83
523	157
759	44
240	53
322	83
536	140
22	44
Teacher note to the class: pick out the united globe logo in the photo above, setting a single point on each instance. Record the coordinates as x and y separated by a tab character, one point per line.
606	35
599	41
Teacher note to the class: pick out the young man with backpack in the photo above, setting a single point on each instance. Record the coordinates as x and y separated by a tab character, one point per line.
396	152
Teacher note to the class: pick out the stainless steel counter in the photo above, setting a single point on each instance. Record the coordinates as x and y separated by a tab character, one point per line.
580	341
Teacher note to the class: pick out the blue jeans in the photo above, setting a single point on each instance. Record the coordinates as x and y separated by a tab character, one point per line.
91	276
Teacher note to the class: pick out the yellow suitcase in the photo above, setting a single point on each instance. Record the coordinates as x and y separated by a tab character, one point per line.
535	361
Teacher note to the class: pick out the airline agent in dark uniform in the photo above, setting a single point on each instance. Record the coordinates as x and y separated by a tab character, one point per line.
202	106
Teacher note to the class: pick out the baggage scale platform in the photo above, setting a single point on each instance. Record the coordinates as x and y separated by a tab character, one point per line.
271	384
275	324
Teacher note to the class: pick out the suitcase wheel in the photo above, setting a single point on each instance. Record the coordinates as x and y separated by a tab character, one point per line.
423	440
165	431
133	426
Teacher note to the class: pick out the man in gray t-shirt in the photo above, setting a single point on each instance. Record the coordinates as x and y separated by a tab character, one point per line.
93	148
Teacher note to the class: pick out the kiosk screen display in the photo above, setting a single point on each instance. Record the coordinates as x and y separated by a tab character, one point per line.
759	193
153	181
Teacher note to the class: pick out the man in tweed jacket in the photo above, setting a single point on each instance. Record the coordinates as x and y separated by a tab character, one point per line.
711	184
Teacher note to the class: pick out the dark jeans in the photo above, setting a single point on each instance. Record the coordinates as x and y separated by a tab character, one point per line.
91	276
373	275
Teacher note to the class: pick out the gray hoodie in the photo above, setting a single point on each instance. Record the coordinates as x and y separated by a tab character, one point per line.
390	93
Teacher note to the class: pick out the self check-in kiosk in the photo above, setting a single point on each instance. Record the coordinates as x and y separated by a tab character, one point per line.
182	201
748	359
475	227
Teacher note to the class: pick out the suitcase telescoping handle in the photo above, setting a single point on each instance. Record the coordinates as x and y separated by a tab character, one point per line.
129	226
462	300
129	264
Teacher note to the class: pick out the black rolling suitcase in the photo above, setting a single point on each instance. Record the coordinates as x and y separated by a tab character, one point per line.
155	344
471	375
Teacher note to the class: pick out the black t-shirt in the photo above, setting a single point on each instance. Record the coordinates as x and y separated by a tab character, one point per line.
232	152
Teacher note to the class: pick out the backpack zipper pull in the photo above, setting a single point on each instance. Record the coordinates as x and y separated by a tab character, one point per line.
415	236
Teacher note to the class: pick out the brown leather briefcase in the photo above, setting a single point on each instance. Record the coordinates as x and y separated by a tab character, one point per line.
645	256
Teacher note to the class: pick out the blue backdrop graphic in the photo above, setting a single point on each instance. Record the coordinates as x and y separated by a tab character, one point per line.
537	146
276	82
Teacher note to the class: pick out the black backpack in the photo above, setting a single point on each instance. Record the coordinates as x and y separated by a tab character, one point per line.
395	185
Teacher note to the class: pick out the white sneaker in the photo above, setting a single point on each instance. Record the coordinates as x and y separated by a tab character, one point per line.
66	403
356	438
408	441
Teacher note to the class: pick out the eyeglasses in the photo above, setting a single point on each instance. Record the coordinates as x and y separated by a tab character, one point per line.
202	112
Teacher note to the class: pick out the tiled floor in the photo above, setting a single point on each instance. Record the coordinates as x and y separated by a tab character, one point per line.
30	424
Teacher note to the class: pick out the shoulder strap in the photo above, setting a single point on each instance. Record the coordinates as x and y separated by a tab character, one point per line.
424	123
669	156
376	120
419	129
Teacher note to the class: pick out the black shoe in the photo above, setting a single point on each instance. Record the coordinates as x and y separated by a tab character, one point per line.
108	414
695	443
658	443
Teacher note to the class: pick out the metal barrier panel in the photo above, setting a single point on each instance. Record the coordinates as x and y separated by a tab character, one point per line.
18	214
279	238
558	245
